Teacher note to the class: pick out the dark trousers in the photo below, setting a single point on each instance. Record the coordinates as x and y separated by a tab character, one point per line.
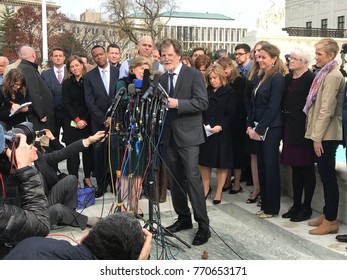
73	162
326	169
269	171
185	183
303	180
100	165
62	202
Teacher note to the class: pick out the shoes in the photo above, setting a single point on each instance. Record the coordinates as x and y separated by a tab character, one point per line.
341	238
180	225
86	185
201	237
208	193
302	215
259	212
293	211
249	183
100	192
318	222
259	203
252	200
266	216
235	191
325	228
225	189
216	201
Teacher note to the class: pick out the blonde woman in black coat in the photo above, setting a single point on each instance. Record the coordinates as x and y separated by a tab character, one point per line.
217	152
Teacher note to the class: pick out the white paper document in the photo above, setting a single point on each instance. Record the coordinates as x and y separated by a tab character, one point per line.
19	108
207	130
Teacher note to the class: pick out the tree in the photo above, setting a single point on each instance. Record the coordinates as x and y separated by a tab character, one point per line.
68	42
4	21
25	27
133	16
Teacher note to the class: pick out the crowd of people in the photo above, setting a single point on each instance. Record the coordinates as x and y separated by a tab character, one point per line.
228	112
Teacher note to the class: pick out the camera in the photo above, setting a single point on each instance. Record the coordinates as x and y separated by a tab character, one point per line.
26	128
41	133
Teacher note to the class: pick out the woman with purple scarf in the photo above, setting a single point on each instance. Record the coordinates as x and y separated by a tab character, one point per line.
324	127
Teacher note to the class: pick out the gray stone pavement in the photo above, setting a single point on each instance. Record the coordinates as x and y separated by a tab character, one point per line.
236	233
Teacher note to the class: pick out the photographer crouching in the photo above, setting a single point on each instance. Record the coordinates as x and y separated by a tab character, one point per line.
29	216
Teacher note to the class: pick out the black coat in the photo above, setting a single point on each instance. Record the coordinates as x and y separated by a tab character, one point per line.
40	96
293	104
32	218
46	162
217	150
38	248
75	106
5	109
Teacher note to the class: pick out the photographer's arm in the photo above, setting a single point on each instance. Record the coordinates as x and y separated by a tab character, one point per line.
146	249
32	218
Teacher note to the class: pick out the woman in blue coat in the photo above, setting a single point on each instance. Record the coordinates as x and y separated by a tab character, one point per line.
265	126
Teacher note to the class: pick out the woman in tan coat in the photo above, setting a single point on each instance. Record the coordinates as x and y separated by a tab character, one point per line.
324	127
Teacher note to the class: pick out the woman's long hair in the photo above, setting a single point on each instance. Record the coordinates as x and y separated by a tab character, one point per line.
14	76
278	66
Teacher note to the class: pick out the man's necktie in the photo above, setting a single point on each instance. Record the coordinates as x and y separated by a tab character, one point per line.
172	88
60	76
104	79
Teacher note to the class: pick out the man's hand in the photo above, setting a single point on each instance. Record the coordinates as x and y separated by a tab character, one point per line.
107	122
44	119
172	103
146	249
22	152
318	148
94	138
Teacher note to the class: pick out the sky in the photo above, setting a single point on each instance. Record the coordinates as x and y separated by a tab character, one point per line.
244	12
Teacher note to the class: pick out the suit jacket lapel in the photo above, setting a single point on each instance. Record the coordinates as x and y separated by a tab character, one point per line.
179	80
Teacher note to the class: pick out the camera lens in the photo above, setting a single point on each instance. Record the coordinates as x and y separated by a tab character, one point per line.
25	128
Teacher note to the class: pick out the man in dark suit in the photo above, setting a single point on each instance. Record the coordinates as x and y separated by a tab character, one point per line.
53	78
99	91
182	135
39	94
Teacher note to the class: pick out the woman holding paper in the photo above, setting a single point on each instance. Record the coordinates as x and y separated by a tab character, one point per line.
12	96
264	125
77	125
217	152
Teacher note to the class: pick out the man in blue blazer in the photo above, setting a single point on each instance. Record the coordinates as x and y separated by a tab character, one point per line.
99	91
53	78
182	135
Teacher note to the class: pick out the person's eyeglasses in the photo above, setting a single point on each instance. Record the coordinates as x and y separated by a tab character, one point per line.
239	54
170	55
295	59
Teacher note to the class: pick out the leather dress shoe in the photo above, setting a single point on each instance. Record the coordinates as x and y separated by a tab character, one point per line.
180	225
302	215
201	237
291	213
341	238
100	192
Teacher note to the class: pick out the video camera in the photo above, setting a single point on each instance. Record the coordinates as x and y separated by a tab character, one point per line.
11	138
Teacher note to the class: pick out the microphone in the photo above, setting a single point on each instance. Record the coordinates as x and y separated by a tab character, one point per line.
150	92
146	81
120	92
138	85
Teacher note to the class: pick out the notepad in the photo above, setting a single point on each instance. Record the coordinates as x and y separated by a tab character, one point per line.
20	108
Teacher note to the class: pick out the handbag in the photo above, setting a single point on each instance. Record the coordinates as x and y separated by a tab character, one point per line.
85	197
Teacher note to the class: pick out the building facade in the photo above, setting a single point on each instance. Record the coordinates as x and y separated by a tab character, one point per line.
206	30
316	18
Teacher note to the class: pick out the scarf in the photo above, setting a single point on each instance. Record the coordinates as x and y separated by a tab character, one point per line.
312	95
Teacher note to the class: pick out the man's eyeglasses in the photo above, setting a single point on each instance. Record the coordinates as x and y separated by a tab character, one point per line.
239	54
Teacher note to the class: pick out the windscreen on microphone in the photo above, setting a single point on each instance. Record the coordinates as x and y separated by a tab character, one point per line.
146	82
152	89
138	84
131	89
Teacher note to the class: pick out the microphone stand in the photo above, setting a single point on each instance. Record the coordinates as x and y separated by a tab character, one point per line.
158	106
